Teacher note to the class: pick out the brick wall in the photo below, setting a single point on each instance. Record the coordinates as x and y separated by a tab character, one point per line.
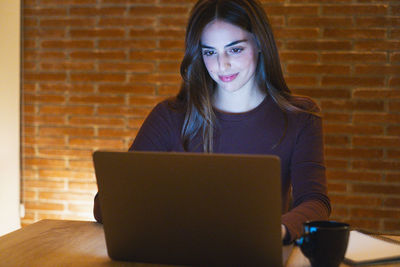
93	69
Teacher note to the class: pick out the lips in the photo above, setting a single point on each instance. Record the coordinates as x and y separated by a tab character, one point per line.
228	78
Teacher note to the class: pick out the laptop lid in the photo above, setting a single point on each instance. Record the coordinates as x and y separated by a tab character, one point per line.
187	208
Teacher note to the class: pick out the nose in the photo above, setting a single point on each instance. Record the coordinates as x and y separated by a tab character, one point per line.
223	62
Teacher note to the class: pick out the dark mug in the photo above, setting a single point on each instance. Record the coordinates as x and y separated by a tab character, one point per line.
324	243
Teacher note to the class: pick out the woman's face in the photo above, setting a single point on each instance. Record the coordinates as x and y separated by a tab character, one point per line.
230	55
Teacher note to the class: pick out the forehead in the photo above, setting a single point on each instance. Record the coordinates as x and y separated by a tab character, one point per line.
221	33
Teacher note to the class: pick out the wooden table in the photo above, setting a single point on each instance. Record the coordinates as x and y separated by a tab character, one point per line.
79	243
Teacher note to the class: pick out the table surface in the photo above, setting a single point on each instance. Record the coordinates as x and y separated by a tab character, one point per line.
81	243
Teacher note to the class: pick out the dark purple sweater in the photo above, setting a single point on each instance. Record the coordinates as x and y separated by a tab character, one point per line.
304	195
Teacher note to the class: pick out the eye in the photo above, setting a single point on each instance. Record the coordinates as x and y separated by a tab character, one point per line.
236	50
208	53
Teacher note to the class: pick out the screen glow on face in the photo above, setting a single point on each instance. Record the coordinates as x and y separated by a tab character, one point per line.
230	55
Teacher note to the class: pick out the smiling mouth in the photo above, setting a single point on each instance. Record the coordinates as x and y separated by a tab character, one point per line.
228	78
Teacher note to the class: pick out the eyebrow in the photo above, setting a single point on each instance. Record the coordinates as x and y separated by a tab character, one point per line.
228	45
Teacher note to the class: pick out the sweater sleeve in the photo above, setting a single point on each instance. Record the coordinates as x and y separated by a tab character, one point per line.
156	133
309	192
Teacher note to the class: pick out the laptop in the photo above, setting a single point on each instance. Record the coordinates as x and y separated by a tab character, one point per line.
189	208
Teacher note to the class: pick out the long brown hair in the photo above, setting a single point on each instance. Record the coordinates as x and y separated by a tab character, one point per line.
198	87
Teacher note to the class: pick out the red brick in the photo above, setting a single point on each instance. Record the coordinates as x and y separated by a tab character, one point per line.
336	187
394	82
336	163
44	55
67	44
318	69
44	183
172	44
44	141
132	44
155	10
127	22
296	33
376	189
43	98
393	130
394	106
393	177
385	141
64	66
38	11
168	90
374	213
67	22
43	206
393	154
127	89
145	100
71	88
101	55
44	33
319	45
82	186
377	21
320	21
293	56
355	200
350	128
324	93
67	2
336	117
291	9
155	78
44	162
157	33
69	174
170	66
121	133
127	111
43	119
45	76
98	143
376	118
377	69
68	131
352	105
377	45
62	153
353	176
97	77
96	99
395	57
391	226
351	57
376	94
377	165
168	22
127	66
301	81
358	9
353	153
355	33
65	196
156	55
367	224
98	11
95	121
336	140
352	81
97	33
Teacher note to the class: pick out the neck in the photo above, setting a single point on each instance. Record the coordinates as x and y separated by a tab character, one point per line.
239	101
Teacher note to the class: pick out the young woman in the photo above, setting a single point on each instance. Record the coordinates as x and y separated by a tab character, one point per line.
234	99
